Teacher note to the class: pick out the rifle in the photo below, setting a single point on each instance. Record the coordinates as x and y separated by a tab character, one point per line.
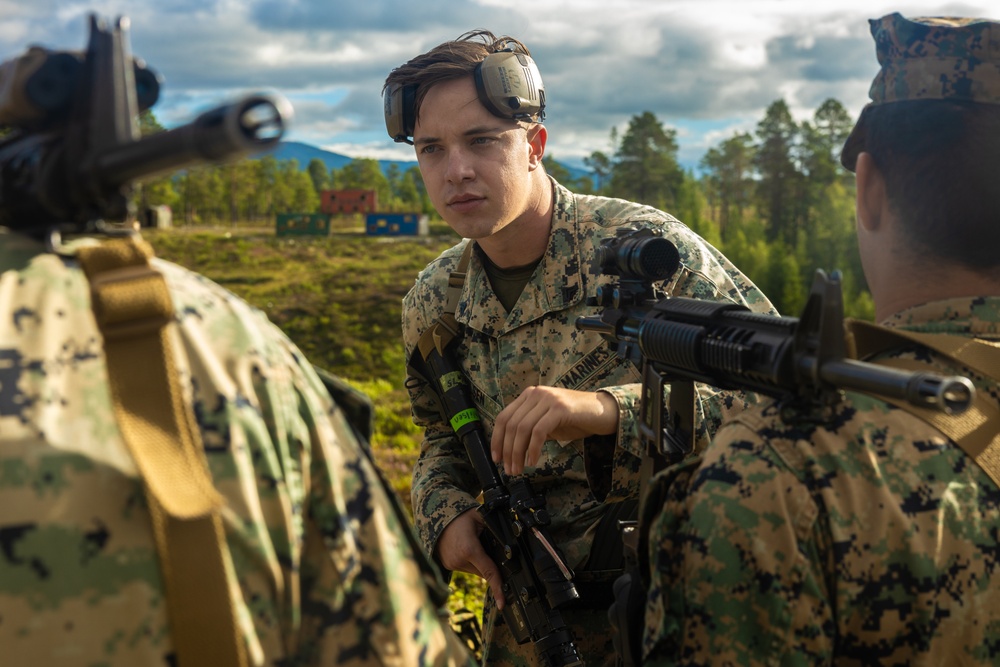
536	580
73	149
680	341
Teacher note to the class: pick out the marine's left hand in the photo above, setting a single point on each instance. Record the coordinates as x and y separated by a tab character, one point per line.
548	413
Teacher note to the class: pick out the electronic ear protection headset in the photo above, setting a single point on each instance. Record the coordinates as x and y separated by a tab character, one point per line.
508	83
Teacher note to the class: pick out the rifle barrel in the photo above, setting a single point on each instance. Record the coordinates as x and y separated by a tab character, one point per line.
735	349
949	394
250	125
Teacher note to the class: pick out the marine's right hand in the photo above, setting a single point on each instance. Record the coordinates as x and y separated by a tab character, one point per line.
459	549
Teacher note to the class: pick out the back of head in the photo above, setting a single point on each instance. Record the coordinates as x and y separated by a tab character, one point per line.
933	130
507	80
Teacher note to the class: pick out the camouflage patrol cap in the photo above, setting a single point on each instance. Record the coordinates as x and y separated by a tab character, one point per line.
930	58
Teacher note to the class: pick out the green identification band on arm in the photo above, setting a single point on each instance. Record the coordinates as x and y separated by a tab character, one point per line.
464	417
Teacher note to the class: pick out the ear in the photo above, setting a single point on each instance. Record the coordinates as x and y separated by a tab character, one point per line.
537	136
871	195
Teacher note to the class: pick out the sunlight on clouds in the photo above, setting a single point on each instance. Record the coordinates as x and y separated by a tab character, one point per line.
573	145
735	92
805	42
792	93
290	52
788	91
687	60
12	32
321	119
716	137
374	151
272	54
744	55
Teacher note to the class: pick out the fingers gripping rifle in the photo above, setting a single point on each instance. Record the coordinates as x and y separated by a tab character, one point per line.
74	150
536	580
680	341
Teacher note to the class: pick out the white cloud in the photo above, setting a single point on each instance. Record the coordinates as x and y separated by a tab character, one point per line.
687	61
373	150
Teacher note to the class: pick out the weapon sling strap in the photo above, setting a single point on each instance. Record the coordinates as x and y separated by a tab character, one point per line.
134	313
977	430
445	328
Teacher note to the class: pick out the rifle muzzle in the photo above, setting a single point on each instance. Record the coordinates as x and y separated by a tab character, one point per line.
246	127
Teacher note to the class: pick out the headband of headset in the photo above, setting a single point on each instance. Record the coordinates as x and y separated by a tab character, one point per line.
508	83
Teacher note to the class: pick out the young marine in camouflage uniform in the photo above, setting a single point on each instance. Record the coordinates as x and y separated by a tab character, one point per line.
533	376
862	534
313	538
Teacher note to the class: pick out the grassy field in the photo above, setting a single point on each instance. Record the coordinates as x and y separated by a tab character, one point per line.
338	298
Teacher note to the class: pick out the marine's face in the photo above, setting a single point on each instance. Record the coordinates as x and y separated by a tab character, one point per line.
476	166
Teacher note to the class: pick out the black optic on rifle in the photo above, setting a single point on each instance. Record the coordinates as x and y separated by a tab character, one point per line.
638	255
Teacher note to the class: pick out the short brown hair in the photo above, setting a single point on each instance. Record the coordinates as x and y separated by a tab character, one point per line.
448	61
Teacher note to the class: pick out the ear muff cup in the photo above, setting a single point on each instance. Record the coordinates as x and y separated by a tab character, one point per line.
400	111
510	86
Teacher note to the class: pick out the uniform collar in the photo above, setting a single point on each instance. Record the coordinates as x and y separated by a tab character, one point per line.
965	316
556	284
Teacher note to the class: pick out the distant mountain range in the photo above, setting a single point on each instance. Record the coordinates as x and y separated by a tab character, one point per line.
305	153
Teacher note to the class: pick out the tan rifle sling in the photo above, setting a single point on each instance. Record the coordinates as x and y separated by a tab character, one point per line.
977	430
445	328
135	314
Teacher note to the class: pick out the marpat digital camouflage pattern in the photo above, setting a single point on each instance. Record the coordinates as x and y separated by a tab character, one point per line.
857	535
537	343
930	58
323	566
936	58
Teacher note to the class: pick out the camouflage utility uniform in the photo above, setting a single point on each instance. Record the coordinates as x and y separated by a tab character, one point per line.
537	343
313	539
862	537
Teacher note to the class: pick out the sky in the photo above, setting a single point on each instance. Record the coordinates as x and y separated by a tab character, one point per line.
706	68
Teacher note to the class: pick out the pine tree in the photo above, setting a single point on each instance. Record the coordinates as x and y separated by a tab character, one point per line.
779	180
645	167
